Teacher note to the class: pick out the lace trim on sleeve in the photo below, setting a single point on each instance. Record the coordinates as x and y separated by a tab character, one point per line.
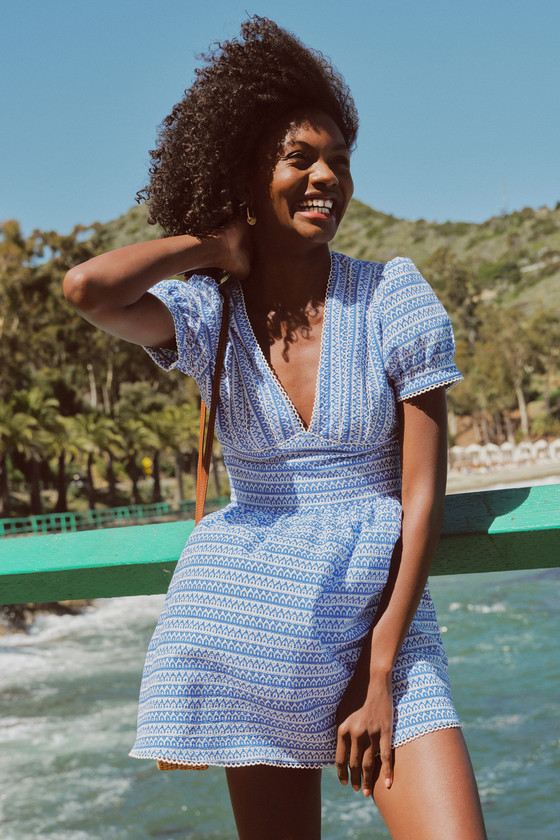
447	384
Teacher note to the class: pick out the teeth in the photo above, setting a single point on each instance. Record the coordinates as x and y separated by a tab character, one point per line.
320	203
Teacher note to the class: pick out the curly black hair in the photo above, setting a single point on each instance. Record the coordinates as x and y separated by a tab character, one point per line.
206	145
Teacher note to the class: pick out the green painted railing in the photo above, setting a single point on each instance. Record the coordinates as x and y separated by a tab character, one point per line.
60	523
496	530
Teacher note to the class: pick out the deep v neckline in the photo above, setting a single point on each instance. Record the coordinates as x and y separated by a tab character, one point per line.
269	370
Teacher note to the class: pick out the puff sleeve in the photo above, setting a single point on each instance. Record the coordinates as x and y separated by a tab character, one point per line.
196	308
417	337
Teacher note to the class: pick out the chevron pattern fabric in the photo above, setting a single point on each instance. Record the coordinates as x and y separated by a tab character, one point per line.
273	595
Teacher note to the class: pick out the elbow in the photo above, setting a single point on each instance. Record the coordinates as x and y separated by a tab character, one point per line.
78	289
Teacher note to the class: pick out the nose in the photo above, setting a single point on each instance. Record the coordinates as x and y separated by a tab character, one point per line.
323	174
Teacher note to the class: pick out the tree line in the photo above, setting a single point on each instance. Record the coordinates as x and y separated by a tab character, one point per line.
78	406
86	415
509	358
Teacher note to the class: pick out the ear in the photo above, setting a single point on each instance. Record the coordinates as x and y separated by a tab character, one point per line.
246	204
245	193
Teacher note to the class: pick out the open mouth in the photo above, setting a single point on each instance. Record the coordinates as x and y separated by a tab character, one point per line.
316	206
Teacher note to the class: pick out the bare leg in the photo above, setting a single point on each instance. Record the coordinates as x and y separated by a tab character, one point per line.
434	794
276	803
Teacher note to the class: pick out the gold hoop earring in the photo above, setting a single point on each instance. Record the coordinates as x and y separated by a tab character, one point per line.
251	219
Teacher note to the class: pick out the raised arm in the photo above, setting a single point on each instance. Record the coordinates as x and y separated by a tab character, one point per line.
110	290
366	712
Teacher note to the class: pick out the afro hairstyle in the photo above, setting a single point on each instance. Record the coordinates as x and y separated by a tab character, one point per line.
206	146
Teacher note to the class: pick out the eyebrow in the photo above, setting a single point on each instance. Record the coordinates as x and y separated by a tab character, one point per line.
340	147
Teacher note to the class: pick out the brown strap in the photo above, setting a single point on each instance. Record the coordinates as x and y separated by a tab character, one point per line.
205	447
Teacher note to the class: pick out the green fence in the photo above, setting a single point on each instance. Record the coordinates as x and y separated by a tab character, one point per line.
60	523
497	530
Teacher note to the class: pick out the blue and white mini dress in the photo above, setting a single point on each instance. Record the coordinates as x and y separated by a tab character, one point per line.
273	595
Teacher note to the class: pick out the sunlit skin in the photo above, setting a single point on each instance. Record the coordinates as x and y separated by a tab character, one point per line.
313	166
425	790
291	259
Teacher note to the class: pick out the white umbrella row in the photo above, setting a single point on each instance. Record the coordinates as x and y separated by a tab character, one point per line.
490	454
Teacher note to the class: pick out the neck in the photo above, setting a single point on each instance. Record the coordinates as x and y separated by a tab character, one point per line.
287	278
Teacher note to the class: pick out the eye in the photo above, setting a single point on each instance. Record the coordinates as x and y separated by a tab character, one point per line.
296	156
298	160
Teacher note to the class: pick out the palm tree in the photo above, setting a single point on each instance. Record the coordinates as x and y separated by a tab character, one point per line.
110	442
136	441
60	444
156	423
67	443
96	434
45	411
175	429
17	434
183	423
82	430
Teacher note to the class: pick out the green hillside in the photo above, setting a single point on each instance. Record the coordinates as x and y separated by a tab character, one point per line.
516	256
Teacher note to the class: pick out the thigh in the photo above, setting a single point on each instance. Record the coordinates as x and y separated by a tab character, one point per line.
279	803
434	794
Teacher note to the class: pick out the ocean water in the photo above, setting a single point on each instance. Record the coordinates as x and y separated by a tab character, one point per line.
68	694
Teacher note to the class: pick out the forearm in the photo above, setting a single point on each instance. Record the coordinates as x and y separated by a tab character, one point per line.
118	279
366	708
423	429
410	567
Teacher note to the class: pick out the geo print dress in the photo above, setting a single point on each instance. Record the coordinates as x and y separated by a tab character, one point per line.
273	596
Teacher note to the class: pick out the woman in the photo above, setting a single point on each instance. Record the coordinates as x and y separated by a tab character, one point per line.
297	631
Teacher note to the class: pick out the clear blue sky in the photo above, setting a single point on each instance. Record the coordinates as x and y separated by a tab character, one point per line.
459	101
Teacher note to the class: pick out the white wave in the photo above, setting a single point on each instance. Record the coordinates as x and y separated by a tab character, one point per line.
499	607
105	638
498	722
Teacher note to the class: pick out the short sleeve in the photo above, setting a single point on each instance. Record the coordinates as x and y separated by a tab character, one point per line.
196	307
417	337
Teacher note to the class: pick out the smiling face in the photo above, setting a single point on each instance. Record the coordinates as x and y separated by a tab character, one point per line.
309	186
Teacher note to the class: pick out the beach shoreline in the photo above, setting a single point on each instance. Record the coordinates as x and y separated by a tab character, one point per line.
473	479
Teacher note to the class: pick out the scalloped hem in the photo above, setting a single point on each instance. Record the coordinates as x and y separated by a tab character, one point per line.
454	725
203	765
447	384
